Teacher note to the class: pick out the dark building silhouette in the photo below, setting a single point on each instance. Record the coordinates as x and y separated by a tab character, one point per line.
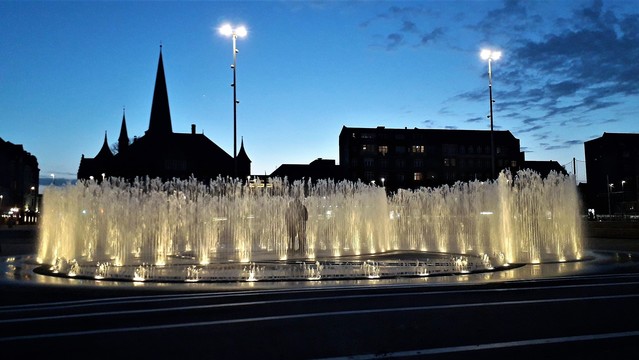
612	173
412	158
544	167
316	170
162	153
19	178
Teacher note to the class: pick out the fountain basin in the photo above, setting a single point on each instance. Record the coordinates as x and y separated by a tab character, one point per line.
371	266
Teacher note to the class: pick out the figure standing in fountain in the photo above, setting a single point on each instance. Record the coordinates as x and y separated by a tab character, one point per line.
296	216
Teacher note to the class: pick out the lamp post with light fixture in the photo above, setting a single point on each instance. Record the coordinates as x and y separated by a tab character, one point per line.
228	30
491	55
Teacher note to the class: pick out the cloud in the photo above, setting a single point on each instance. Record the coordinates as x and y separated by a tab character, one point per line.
431	36
541	136
593	56
531	129
409	27
513	16
403	27
559	69
394	40
476	119
574	142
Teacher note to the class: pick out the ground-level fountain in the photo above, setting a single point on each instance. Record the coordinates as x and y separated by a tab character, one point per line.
226	230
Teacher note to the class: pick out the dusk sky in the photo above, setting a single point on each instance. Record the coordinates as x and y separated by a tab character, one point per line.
569	72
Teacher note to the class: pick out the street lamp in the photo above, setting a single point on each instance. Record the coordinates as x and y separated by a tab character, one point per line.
491	55
610	186
228	30
33	197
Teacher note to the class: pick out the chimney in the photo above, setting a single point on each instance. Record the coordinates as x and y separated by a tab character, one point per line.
192	129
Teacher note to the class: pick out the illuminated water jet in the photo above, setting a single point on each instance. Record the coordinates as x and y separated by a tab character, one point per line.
183	230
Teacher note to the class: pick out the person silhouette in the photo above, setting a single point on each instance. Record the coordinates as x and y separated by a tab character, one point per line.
296	217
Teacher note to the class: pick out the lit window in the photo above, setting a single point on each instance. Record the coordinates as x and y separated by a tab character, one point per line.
417	148
368	148
368	162
383	149
418	176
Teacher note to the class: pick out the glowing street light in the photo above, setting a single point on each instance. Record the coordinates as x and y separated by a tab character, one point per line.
491	55
228	30
610	186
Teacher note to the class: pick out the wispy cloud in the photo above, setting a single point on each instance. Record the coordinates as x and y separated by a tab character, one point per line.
560	70
410	27
564	145
582	65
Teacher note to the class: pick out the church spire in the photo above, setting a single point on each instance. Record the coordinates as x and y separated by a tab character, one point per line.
123	140
160	122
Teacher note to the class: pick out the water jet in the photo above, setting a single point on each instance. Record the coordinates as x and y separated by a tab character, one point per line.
188	231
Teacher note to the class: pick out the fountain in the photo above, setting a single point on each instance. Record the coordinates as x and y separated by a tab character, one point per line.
187	231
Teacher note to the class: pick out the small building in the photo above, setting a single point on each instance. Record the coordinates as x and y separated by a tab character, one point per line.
162	153
316	170
544	167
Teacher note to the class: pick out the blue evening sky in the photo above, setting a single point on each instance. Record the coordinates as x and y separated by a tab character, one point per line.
569	72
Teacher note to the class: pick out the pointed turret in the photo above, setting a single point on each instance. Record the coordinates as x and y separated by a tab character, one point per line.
160	122
105	153
243	162
123	140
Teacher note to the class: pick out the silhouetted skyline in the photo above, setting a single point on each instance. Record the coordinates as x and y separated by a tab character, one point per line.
568	73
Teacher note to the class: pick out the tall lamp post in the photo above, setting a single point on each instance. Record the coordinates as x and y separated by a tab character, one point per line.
491	55
228	30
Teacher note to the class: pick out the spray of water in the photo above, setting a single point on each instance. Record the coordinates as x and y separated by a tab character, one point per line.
147	224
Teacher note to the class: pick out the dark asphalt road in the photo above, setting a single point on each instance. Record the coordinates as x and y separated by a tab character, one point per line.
571	310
